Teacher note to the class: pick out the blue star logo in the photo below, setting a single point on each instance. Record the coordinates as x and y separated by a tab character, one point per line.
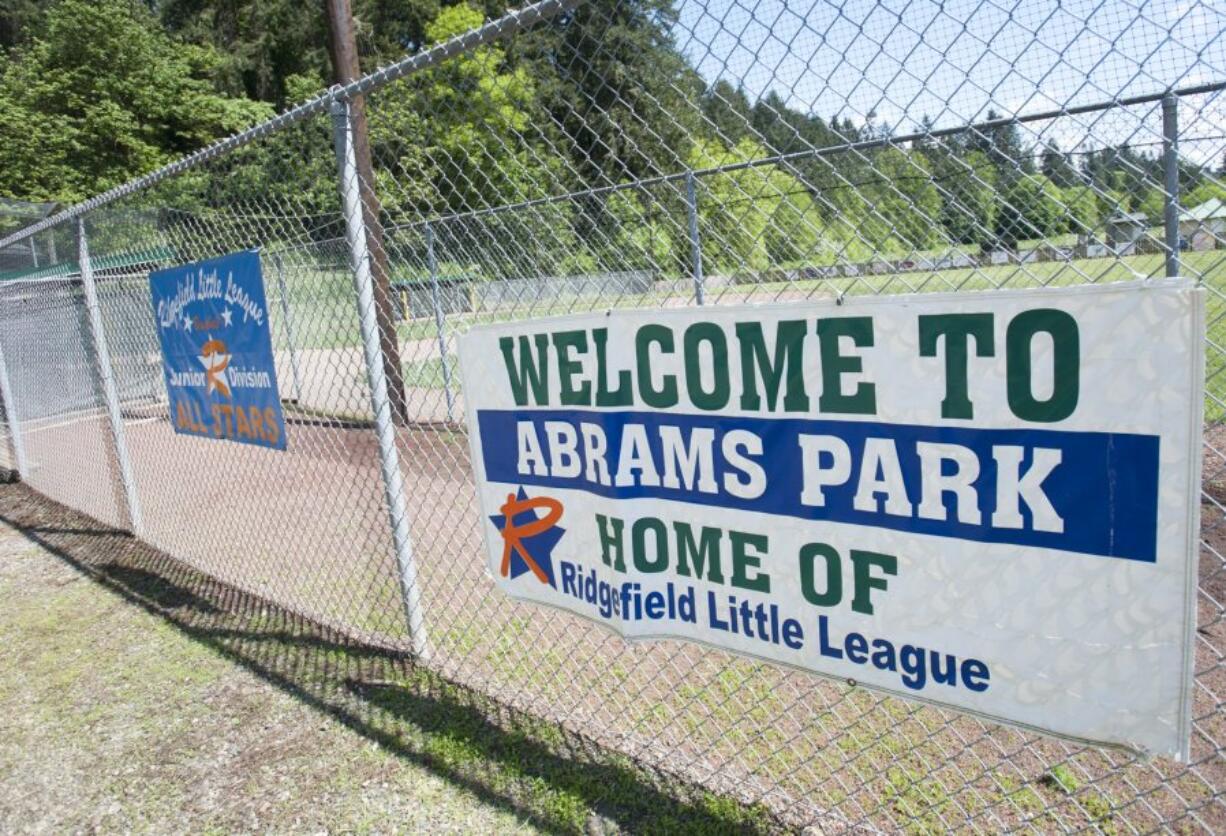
528	538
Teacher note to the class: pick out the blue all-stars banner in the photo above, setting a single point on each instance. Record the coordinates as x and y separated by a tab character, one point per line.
212	321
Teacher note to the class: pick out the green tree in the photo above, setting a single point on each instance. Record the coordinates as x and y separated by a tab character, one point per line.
466	135
1002	144
968	184
728	112
266	43
610	75
1123	173
18	18
828	176
1056	166
1032	208
794	234
641	236
101	95
1082	209
752	218
1110	201
1152	205
262	44
905	199
1209	189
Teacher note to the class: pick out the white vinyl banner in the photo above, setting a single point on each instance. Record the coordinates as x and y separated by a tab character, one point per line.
982	500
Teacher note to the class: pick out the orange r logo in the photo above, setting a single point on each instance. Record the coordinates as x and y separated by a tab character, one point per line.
519	523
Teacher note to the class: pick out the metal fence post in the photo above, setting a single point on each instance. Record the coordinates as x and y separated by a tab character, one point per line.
102	356
10	415
1170	170
283	293
691	198
389	459
432	263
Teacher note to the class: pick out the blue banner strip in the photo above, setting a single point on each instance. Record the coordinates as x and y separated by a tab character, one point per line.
1105	489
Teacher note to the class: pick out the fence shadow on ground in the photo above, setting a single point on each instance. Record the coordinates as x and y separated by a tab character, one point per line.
554	778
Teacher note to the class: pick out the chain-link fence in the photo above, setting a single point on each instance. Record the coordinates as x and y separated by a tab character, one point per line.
577	156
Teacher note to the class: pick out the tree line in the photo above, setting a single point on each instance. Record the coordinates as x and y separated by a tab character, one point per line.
95	92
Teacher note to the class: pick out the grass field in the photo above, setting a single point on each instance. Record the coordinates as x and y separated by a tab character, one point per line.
327	320
113	720
139	696
323	314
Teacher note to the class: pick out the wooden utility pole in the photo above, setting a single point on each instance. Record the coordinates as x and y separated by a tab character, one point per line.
342	45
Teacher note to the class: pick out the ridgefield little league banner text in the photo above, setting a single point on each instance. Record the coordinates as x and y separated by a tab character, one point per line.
987	501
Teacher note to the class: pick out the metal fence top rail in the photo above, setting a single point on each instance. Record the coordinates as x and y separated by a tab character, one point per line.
510	23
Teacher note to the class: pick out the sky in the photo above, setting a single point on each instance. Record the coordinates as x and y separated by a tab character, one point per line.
953	61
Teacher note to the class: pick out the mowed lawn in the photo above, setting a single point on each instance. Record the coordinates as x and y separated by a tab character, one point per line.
139	695
323	316
111	719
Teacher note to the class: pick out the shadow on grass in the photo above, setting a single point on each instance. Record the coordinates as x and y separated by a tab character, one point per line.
556	779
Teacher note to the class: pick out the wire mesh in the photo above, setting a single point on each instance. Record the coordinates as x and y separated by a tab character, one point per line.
644	153
8	458
51	371
304	527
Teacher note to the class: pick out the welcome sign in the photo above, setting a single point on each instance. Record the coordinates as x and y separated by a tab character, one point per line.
212	321
984	500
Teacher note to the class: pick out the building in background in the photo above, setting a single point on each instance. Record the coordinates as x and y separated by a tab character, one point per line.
1124	230
1203	227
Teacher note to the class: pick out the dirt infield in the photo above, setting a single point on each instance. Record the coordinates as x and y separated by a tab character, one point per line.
308	529
333	381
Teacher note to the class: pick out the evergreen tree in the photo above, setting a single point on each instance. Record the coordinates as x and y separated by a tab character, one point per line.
1057	167
263	42
1032	207
18	19
611	77
268	42
1003	146
728	112
101	94
967	181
